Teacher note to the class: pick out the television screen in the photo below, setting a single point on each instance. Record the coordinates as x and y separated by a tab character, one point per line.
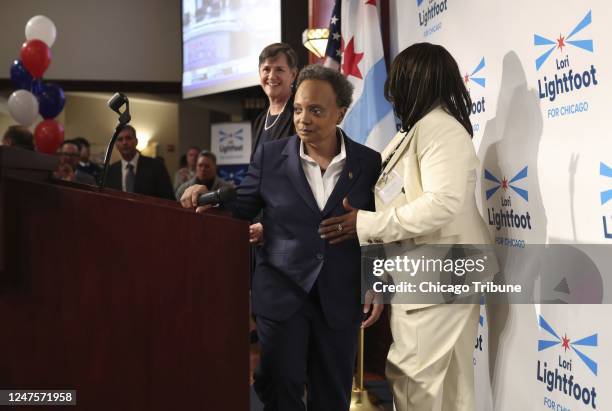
222	40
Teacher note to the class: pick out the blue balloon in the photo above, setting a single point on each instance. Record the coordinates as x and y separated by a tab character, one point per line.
50	100
37	87
20	76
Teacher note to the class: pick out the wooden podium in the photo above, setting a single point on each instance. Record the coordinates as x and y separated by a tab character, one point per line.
131	301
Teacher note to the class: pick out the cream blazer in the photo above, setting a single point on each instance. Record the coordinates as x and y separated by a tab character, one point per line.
437	165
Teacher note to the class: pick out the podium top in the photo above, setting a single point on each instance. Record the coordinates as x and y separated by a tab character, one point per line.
19	158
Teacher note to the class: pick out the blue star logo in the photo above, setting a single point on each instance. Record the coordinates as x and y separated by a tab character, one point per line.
590	341
561	41
225	135
481	81
505	184
606	171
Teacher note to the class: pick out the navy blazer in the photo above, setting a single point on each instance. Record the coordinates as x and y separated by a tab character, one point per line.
151	178
294	255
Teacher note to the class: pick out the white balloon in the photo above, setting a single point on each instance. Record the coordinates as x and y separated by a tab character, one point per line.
41	28
23	106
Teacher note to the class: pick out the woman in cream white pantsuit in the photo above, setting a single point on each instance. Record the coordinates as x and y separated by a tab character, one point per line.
426	194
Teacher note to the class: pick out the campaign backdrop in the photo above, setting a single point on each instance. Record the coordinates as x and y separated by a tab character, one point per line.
540	76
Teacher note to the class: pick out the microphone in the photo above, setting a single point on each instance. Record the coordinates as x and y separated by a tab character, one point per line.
117	101
224	194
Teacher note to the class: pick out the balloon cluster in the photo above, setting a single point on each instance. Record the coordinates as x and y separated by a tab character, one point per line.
33	96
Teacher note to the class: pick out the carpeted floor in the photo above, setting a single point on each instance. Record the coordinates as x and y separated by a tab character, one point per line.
375	384
378	390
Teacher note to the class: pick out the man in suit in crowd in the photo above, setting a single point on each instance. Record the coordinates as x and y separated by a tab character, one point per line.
85	164
205	174
306	291
136	173
70	152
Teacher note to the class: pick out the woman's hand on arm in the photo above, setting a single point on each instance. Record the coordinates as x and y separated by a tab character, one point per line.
341	228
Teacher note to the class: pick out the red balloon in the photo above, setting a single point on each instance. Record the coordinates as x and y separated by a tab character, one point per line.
36	57
48	136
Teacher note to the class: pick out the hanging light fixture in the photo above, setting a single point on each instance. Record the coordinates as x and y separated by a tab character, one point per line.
315	40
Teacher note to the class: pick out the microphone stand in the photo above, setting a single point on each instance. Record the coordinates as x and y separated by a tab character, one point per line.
124	119
360	401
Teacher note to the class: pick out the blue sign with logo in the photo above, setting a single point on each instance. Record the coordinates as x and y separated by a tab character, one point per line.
233	173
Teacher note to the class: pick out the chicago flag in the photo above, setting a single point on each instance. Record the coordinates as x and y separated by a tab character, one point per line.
355	47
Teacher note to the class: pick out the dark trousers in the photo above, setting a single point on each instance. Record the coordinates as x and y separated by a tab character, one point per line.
304	351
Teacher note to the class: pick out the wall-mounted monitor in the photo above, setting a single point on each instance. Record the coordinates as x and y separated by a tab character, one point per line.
222	40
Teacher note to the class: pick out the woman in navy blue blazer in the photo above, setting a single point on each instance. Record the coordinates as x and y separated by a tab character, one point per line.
306	291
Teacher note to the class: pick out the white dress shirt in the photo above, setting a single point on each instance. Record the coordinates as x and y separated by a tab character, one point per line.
133	162
322	184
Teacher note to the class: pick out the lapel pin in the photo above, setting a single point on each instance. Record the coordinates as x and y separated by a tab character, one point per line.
350	175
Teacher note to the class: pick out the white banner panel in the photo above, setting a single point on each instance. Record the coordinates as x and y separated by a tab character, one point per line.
540	74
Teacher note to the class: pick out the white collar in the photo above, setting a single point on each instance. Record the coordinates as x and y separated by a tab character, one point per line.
339	157
133	161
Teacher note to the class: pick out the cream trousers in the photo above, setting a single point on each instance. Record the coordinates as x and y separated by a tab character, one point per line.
430	360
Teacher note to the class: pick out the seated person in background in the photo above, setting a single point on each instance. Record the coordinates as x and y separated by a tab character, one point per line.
18	136
187	170
85	165
136	173
70	153
205	174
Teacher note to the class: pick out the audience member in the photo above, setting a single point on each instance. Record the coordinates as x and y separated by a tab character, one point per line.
205	174
18	136
70	153
136	173
188	169
85	165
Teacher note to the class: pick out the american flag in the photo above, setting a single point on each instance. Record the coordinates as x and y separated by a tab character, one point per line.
333	52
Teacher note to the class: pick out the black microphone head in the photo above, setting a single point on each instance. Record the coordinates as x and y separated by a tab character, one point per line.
226	194
117	101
